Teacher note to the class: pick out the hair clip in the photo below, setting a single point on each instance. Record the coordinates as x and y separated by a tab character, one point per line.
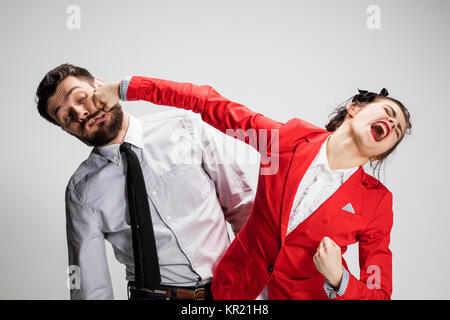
384	92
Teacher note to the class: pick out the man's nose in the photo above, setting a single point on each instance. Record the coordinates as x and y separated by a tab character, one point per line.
81	113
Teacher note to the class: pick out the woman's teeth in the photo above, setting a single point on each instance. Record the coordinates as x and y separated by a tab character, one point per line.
380	130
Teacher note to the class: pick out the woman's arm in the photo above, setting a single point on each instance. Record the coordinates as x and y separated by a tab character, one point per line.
375	258
267	136
375	261
229	117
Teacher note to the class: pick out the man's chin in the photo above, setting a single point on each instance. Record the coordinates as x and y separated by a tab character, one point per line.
107	131
101	138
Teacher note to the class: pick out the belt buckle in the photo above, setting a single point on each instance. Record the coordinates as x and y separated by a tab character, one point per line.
164	292
198	290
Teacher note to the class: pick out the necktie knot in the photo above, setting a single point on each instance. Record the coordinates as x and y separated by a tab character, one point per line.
125	147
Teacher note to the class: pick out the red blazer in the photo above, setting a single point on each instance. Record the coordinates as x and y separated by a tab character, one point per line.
262	254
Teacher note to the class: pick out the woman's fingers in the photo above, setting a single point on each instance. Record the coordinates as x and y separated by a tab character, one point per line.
97	102
321	245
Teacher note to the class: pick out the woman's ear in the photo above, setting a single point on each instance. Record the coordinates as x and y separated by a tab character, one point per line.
374	158
353	109
98	82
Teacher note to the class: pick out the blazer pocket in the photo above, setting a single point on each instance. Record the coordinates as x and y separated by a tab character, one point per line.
350	216
310	288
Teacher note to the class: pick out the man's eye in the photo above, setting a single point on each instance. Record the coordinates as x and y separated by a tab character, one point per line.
82	99
68	117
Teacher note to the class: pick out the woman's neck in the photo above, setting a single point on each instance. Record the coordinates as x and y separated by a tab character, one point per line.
342	152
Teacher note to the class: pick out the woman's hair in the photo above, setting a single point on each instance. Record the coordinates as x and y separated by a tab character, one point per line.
363	98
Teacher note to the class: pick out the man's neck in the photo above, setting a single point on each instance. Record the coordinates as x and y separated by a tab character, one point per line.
122	133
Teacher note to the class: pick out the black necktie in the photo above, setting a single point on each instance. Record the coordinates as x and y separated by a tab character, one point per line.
146	266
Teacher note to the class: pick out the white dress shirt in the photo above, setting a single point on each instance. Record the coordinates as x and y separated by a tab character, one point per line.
317	185
192	187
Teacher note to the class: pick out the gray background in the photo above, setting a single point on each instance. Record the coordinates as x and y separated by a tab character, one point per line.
282	58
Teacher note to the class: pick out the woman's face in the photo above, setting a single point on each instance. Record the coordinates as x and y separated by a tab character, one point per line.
376	127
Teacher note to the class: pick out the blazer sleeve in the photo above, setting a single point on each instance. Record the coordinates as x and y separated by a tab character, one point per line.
227	116
375	257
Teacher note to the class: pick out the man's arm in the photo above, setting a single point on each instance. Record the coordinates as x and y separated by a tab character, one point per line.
232	186
90	278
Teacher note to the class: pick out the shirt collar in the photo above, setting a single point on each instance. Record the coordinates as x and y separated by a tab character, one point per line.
322	160
133	136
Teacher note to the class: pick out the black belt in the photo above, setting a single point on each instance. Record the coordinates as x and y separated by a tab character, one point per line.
177	293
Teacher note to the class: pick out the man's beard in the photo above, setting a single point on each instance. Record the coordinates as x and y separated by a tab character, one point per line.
107	131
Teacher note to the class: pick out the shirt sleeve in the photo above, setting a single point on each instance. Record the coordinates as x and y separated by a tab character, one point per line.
123	87
89	276
331	291
232	186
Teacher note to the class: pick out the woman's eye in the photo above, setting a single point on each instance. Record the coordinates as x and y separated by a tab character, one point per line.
388	112
82	99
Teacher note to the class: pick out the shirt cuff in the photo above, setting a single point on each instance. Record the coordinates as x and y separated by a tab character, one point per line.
124	83
331	291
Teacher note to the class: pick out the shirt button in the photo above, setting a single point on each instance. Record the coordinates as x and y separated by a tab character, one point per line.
154	192
169	217
196	264
270	268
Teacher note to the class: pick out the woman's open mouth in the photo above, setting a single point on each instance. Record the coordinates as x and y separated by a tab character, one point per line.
380	130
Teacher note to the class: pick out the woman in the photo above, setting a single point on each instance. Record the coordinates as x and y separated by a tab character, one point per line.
317	203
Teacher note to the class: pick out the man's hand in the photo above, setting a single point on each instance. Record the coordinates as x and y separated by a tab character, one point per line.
328	261
107	96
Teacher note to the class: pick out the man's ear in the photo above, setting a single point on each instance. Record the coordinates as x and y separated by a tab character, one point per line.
98	82
353	109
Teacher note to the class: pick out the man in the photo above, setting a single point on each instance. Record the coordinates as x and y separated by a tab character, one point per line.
190	188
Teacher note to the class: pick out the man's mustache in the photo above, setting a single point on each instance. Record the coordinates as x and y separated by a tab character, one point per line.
97	113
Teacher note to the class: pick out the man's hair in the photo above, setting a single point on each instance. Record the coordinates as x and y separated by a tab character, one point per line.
51	80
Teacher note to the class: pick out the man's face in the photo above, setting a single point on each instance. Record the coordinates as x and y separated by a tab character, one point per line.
72	107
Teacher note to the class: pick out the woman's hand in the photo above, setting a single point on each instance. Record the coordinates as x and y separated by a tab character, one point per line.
328	261
107	96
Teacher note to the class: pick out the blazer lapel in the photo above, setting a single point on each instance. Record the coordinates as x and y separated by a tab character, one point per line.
350	192
347	198
304	154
